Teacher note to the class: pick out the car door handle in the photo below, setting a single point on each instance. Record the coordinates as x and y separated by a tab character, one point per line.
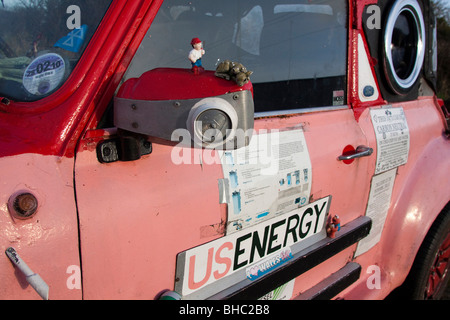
361	151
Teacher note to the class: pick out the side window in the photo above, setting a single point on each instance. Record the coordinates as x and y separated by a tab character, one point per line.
297	50
41	42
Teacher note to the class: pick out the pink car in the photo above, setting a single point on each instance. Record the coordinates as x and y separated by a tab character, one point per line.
308	157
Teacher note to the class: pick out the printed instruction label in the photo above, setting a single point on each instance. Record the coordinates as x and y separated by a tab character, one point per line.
377	208
392	134
271	176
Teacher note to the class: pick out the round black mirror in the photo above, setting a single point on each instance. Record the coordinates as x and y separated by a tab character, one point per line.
404	45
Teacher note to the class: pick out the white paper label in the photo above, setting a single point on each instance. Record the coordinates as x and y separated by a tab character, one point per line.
392	134
377	208
269	177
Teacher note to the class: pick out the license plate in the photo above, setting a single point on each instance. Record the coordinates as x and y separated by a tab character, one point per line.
251	253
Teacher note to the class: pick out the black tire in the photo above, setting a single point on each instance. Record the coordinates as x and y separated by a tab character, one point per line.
419	284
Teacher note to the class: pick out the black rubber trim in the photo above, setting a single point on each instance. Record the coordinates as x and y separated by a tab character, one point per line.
303	261
332	285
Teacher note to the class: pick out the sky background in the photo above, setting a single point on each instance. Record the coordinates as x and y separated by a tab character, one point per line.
447	2
11	2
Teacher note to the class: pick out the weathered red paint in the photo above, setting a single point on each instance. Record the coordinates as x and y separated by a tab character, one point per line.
153	85
357	7
53	125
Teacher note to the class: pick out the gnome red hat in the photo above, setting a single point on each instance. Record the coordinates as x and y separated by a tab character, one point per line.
195	41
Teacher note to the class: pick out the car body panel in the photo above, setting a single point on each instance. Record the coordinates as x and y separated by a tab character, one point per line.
121	225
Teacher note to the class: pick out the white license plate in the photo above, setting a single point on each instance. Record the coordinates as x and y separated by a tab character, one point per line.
250	253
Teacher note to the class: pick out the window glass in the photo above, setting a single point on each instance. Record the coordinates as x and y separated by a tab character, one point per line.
403	45
41	41
297	50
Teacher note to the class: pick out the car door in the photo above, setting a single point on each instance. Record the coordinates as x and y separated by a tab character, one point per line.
204	222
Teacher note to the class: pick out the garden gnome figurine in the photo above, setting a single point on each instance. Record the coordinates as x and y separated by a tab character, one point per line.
195	55
334	226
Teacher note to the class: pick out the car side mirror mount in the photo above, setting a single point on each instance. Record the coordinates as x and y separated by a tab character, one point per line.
172	104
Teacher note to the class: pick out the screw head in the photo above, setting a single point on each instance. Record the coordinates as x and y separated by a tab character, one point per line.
23	205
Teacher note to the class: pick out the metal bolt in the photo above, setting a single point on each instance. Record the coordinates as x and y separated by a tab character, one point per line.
23	205
5	101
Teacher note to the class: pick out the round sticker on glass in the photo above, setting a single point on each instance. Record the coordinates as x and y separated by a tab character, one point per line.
44	74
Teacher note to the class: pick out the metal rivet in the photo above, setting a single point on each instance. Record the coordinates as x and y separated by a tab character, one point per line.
135	125
23	205
368	91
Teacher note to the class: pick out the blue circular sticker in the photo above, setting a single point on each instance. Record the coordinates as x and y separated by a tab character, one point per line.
44	74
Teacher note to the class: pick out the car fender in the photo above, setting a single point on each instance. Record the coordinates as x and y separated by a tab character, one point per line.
419	196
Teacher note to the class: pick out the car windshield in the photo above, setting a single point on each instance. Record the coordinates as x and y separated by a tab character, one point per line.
41	41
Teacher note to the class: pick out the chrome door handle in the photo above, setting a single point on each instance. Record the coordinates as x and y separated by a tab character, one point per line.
361	151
